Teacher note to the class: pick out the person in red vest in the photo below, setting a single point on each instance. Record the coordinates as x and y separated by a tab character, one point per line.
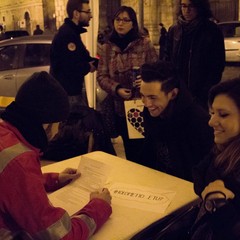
25	210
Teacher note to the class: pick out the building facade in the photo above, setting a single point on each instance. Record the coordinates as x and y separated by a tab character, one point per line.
49	14
164	11
19	14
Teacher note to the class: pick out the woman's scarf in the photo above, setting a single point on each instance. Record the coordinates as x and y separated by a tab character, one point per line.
123	41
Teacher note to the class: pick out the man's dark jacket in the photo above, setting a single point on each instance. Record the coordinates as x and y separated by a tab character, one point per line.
199	57
70	58
184	130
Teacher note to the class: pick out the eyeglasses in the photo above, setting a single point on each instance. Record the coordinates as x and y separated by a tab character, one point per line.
189	6
123	20
87	12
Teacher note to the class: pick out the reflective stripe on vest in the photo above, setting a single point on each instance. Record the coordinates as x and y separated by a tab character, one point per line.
8	154
57	230
89	221
7	235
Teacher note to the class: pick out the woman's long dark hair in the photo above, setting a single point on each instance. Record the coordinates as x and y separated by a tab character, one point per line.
228	154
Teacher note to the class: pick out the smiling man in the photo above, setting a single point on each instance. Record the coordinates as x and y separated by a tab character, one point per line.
177	135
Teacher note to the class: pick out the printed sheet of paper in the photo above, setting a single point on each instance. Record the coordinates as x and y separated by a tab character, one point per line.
148	199
74	196
71	198
94	174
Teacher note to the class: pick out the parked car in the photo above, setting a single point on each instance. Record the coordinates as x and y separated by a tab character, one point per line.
19	58
13	34
231	32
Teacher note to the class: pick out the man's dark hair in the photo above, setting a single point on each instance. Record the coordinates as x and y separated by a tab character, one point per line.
163	72
74	5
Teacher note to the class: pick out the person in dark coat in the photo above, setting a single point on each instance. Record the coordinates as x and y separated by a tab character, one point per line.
84	131
177	135
162	40
38	30
217	177
69	59
195	45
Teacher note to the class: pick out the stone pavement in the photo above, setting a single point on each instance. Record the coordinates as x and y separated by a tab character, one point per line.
231	71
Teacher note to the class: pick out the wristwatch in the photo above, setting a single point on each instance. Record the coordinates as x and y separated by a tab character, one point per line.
211	205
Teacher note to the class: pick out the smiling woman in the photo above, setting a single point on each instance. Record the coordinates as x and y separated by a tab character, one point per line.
216	179
225	111
225	119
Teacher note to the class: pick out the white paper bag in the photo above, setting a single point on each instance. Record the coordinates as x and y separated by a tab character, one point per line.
134	118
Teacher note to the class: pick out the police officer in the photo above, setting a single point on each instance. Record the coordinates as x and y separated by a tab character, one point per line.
70	60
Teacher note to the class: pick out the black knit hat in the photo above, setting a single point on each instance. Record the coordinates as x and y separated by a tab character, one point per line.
44	98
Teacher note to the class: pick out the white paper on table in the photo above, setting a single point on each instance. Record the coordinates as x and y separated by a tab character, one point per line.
94	173
144	198
71	198
75	195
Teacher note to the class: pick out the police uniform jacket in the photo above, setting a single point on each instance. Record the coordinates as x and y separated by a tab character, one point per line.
69	57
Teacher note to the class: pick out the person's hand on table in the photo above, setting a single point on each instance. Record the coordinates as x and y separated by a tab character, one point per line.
218	190
104	195
68	175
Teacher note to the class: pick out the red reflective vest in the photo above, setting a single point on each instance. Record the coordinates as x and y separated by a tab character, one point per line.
24	206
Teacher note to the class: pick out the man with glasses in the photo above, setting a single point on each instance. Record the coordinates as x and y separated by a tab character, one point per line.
70	60
195	45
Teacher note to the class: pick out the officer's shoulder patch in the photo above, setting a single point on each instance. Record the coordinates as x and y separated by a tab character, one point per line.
71	46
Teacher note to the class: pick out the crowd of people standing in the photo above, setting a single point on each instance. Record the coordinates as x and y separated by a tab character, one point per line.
179	87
